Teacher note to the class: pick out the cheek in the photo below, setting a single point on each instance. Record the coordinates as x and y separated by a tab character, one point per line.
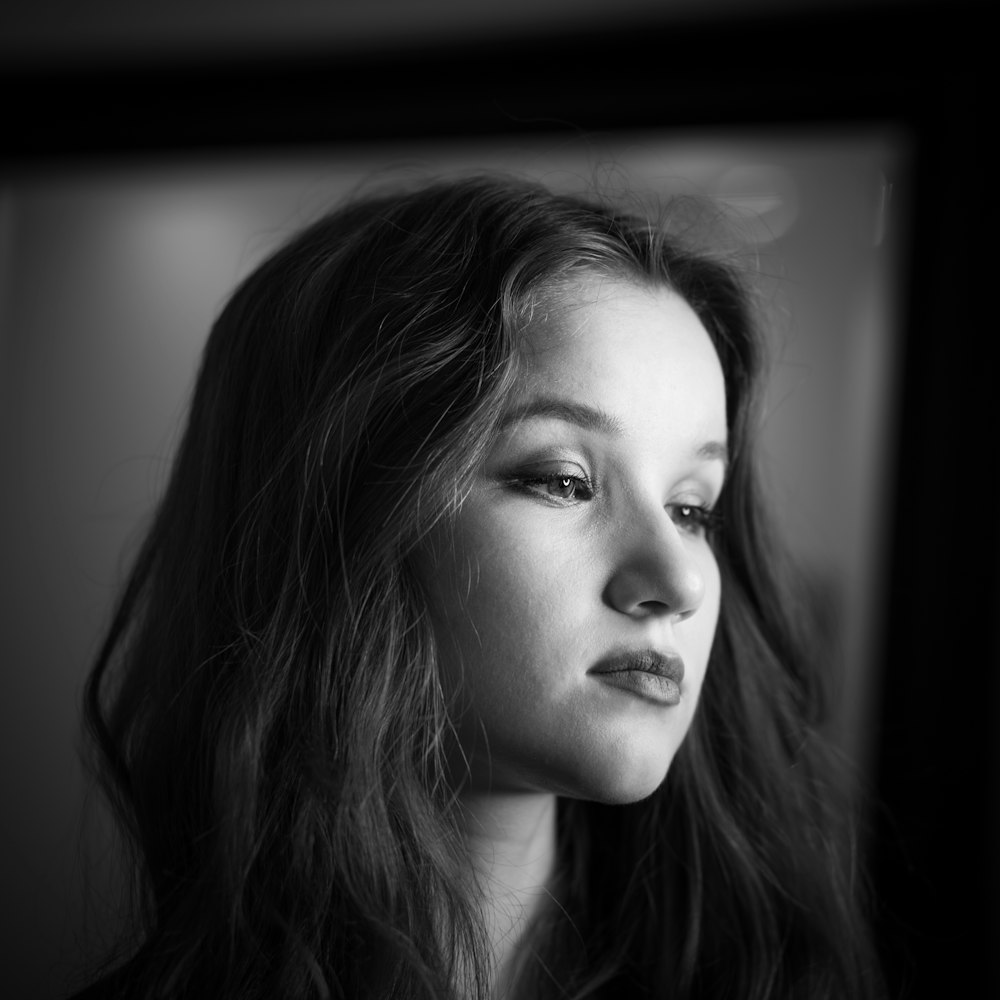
493	572
706	621
508	609
493	612
707	616
516	621
696	634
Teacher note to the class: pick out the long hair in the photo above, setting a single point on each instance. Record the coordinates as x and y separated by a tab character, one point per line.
267	708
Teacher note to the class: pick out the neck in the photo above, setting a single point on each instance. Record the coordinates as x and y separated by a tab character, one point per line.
512	842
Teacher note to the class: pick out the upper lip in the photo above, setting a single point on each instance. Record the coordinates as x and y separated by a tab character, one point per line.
647	661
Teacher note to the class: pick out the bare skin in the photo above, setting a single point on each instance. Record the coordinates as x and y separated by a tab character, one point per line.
579	558
512	842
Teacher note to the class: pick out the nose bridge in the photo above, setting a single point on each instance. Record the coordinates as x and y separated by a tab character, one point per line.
654	570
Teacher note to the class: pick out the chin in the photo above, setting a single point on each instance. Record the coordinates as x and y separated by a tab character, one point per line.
622	789
616	778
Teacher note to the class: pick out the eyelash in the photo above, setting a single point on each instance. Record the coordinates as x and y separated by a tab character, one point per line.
693	519
576	483
703	520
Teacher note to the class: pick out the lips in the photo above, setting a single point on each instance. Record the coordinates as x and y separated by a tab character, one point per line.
646	673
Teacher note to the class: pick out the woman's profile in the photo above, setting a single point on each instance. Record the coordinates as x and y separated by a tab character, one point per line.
459	660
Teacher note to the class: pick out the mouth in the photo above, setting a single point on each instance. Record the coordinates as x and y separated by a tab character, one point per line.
654	676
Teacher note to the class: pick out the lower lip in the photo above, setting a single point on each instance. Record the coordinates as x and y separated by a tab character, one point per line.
652	687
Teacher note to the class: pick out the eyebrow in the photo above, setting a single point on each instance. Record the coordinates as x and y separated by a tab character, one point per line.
593	418
714	450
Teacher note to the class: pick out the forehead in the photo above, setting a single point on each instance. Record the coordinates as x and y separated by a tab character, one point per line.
629	345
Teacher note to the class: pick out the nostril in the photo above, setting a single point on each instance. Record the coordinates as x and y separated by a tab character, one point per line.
653	607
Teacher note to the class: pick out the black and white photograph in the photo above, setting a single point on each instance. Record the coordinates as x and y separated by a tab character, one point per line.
495	501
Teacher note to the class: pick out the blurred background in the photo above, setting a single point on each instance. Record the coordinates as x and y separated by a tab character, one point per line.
157	154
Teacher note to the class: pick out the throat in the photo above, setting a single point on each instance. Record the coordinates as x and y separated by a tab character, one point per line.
512	844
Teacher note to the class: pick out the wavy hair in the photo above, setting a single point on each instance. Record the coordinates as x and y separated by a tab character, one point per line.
266	705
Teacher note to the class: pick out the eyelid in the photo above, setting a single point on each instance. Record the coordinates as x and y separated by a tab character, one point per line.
530	477
542	467
702	520
695	493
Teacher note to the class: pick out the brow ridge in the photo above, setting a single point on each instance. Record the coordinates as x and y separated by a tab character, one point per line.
592	418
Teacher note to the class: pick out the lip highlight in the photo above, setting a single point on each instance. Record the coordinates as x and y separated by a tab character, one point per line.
651	675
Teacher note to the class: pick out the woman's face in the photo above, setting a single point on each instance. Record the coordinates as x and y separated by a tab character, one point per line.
577	581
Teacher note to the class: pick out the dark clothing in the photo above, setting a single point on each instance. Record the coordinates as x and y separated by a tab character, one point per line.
112	986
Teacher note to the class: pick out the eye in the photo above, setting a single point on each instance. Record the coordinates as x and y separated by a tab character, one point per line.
694	519
558	486
564	487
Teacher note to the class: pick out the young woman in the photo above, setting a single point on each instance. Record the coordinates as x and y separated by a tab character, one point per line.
456	662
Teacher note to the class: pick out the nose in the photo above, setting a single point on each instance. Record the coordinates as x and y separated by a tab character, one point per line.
657	571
